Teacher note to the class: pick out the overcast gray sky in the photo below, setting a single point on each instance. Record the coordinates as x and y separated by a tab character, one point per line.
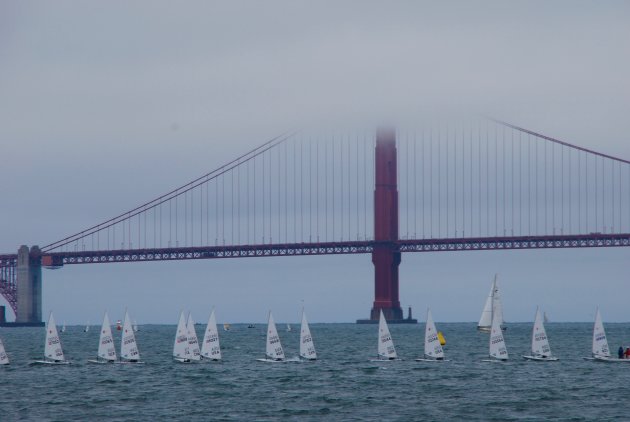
104	105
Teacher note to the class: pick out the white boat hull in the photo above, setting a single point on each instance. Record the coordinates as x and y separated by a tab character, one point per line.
541	359
385	360
610	360
101	362
52	362
494	360
267	360
182	360
129	362
431	360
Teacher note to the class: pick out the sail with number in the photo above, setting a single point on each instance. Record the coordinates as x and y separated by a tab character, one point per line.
498	350
492	306
128	346
540	342
211	348
600	343
386	347
52	348
106	347
181	347
193	342
4	359
274	348
432	347
307	348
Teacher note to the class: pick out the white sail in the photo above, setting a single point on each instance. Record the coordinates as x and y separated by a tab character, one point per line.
193	342
106	347
307	348
274	348
181	347
540	343
211	348
128	346
600	343
498	349
492	306
52	348
385	343
87	327
432	346
485	321
4	359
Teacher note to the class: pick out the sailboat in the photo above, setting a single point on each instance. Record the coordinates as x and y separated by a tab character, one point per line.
493	306
274	351
4	359
181	348
601	352
193	342
106	348
135	326
433	351
63	327
545	319
307	348
289	329
498	351
211	349
386	349
53	352
540	343
226	327
128	347
87	327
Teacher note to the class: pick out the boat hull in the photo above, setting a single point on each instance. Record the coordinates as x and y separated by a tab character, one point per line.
610	360
101	362
431	360
494	360
541	359
266	360
385	360
50	362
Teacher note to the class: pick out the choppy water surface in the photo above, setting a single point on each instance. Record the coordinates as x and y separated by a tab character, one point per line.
342	385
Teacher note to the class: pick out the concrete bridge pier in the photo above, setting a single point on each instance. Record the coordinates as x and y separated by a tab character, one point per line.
29	287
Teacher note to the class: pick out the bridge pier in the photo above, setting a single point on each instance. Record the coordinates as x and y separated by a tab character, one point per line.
29	287
385	256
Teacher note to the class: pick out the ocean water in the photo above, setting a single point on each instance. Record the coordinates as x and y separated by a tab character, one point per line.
341	385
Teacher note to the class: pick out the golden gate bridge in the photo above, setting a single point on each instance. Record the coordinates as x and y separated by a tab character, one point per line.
473	185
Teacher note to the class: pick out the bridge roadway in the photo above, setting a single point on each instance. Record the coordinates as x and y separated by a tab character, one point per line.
592	240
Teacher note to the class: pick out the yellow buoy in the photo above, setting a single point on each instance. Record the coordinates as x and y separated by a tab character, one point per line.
441	338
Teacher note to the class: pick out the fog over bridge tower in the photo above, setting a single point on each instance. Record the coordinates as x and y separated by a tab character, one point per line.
385	255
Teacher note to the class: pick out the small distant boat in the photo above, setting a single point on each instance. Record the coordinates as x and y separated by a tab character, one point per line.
274	351
181	348
251	326
135	326
541	351
289	329
545	319
128	347
307	347
53	352
118	325
386	349
87	327
193	342
211	349
493	306
601	352
63	327
433	351
498	350
4	359
226	327
106	348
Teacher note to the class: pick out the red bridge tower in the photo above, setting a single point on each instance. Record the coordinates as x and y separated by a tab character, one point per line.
386	257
